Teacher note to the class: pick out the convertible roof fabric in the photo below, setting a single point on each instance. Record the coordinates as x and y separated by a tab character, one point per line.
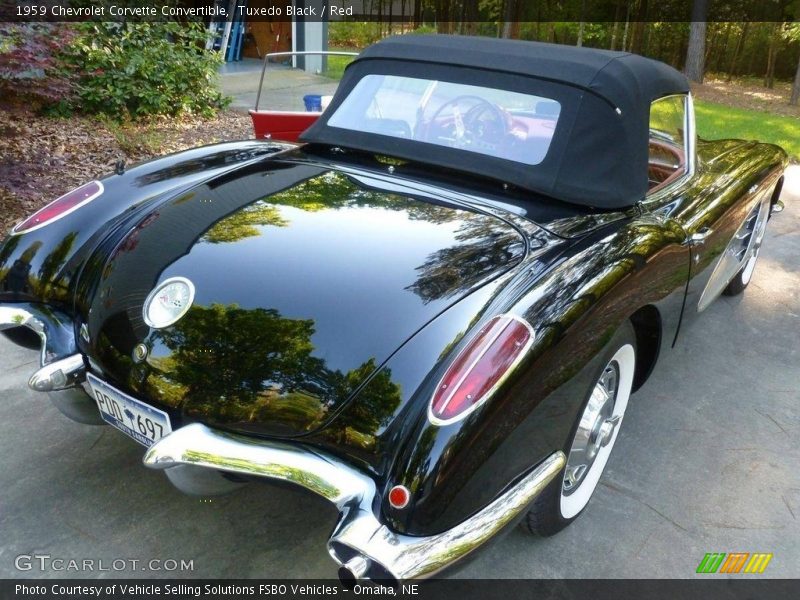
599	153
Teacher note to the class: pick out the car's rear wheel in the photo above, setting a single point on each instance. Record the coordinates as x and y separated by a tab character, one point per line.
593	436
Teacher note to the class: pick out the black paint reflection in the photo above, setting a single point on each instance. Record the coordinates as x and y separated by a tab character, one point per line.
484	245
17	279
240	368
306	283
206	162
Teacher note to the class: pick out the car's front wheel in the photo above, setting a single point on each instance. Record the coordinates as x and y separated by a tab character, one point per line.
593	436
742	279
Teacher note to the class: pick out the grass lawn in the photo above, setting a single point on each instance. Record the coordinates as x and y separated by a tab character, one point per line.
717	121
336	64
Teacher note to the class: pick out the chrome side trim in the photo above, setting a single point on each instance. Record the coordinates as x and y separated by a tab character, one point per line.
733	259
361	544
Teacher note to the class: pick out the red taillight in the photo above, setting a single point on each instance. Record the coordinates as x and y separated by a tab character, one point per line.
399	496
480	367
69	202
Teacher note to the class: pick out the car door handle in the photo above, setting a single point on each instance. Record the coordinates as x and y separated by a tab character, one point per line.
698	237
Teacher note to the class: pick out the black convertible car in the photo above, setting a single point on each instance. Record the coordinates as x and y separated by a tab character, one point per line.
431	312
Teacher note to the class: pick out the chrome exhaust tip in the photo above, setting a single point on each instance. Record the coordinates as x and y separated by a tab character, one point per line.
353	571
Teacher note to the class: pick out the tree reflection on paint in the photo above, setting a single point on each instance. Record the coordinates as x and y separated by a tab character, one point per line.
244	223
484	244
244	367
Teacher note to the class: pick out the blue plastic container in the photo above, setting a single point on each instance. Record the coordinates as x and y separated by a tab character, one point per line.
313	102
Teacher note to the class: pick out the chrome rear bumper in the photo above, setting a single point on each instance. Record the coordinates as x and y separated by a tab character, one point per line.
364	547
53	328
195	455
62	370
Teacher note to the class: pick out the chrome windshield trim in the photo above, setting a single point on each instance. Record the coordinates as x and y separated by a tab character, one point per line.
361	544
293	54
690	151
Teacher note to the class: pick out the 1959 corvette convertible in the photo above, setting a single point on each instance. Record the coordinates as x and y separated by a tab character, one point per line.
431	312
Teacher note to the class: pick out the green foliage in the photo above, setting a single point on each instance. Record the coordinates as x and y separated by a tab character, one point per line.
353	34
791	32
337	64
244	223
424	30
715	121
132	70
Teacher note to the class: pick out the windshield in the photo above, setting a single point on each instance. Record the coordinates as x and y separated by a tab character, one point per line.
494	122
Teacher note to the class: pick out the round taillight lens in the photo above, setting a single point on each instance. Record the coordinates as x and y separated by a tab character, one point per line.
399	496
61	207
480	368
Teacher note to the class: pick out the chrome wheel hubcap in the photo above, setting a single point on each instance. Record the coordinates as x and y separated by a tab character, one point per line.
759	229
595	429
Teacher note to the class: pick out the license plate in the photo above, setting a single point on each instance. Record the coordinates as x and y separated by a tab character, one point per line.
141	421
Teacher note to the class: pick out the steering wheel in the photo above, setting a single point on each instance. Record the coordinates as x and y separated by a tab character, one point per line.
481	123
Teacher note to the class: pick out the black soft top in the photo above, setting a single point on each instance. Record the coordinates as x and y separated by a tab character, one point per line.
599	153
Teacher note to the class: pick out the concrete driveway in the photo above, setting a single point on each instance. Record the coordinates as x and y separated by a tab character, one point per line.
707	461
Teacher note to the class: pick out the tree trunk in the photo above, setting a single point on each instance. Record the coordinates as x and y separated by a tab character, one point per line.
737	51
637	35
417	18
695	53
551	32
796	87
769	76
713	34
444	17
720	56
615	29
582	24
625	33
516	20
471	17
508	17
